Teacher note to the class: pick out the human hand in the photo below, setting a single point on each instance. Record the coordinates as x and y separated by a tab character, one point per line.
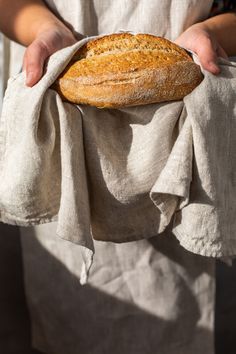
49	40
199	39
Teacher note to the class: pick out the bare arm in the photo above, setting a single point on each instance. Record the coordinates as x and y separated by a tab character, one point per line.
31	23
223	27
24	20
210	39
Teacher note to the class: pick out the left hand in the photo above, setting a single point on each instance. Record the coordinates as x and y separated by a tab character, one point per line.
199	39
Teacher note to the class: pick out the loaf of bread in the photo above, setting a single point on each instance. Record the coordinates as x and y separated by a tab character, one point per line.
122	69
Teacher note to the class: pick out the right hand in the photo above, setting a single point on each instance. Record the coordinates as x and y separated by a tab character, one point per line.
47	42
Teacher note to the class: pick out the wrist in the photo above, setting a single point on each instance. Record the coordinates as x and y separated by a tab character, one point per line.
40	27
223	29
60	30
31	19
201	26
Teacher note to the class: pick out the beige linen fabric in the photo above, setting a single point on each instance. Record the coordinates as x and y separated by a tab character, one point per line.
211	208
143	296
124	172
167	18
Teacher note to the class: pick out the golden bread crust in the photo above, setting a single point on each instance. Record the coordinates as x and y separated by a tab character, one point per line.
124	70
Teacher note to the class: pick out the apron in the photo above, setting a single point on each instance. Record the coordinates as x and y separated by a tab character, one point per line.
143	297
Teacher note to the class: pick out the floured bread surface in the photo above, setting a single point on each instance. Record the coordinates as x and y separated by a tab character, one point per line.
125	70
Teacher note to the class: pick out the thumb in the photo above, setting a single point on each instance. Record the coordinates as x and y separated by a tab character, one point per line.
33	64
208	56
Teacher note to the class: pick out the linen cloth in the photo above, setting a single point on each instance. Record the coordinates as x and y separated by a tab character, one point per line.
142	297
138	292
120	177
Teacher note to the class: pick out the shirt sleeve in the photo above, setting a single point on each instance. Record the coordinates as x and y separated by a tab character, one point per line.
222	6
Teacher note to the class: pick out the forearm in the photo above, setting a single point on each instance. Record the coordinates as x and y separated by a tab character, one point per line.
223	27
23	20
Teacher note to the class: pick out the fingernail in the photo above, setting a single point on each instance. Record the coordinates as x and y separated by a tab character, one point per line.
29	78
214	67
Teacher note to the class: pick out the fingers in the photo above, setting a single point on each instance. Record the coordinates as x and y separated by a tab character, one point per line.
49	41
34	60
200	40
207	55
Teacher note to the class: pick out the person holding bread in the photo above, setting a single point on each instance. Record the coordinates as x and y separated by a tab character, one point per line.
148	296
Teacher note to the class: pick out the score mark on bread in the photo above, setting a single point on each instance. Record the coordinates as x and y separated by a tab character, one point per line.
122	69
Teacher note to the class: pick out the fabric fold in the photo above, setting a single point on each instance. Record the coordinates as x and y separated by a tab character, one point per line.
207	225
171	190
43	173
121	175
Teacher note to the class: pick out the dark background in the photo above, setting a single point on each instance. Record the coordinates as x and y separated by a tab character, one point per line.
14	316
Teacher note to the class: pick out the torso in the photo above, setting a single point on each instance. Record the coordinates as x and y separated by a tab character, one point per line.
167	18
